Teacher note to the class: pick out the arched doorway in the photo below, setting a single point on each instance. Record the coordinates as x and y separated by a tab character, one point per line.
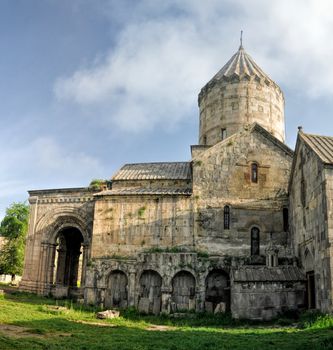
150	292
116	293
68	259
217	291
183	291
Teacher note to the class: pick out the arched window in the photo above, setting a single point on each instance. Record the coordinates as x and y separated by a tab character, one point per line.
255	241
226	217
254	172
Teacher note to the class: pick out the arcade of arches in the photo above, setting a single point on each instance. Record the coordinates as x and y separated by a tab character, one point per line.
155	294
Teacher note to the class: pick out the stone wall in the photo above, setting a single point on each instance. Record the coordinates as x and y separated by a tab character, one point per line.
222	176
128	225
191	268
266	300
310	217
174	282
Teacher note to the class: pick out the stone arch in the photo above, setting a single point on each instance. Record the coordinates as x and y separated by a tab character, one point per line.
65	245
150	284
56	219
183	291
117	290
217	291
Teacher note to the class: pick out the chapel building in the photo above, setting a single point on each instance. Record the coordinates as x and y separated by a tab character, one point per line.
245	226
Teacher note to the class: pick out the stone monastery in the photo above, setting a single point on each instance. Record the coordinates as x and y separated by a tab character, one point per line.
246	226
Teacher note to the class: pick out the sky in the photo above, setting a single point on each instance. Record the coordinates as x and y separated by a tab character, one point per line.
89	85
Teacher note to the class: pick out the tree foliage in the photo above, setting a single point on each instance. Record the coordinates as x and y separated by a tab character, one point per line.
13	228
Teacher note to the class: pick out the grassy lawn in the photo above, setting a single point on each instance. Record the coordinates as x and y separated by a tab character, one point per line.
31	322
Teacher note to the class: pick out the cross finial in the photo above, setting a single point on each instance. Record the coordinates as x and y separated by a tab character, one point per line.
241	40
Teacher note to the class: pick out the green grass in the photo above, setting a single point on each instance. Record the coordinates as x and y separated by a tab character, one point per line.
36	323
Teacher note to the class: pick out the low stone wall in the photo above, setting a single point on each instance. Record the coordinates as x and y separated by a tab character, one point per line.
265	300
174	282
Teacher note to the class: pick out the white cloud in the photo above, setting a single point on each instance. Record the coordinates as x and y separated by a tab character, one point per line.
43	163
165	54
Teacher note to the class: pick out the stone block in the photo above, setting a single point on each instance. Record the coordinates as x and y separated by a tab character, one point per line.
108	314
143	305
157	306
220	308
60	292
208	306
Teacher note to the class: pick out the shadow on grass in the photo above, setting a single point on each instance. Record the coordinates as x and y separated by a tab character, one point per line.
79	330
60	333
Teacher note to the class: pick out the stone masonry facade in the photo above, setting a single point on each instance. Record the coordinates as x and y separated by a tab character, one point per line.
244	227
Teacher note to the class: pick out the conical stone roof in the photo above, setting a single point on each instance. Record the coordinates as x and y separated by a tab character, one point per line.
241	66
239	94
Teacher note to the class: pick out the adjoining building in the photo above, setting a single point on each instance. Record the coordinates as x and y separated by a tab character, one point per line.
246	226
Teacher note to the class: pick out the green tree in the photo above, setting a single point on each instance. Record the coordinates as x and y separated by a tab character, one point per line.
14	228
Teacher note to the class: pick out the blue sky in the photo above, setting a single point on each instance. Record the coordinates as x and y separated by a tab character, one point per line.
86	85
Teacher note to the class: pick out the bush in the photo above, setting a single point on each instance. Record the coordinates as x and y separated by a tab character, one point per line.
315	319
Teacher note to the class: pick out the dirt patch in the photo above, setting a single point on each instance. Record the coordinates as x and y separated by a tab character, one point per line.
20	332
97	324
161	328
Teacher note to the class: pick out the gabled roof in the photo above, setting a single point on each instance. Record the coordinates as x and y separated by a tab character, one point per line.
257	127
267	274
154	171
254	127
321	145
146	191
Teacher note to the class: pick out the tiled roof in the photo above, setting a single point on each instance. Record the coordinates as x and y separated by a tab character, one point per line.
321	145
267	274
155	171
146	191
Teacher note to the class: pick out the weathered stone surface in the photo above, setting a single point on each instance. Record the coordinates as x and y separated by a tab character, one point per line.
108	314
220	308
311	219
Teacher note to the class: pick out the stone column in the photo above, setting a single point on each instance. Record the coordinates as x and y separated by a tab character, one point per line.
166	299
74	268
132	297
30	273
60	274
200	292
51	250
85	259
43	268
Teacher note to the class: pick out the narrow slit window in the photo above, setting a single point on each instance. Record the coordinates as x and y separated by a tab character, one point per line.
223	134
254	172
226	217
255	241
